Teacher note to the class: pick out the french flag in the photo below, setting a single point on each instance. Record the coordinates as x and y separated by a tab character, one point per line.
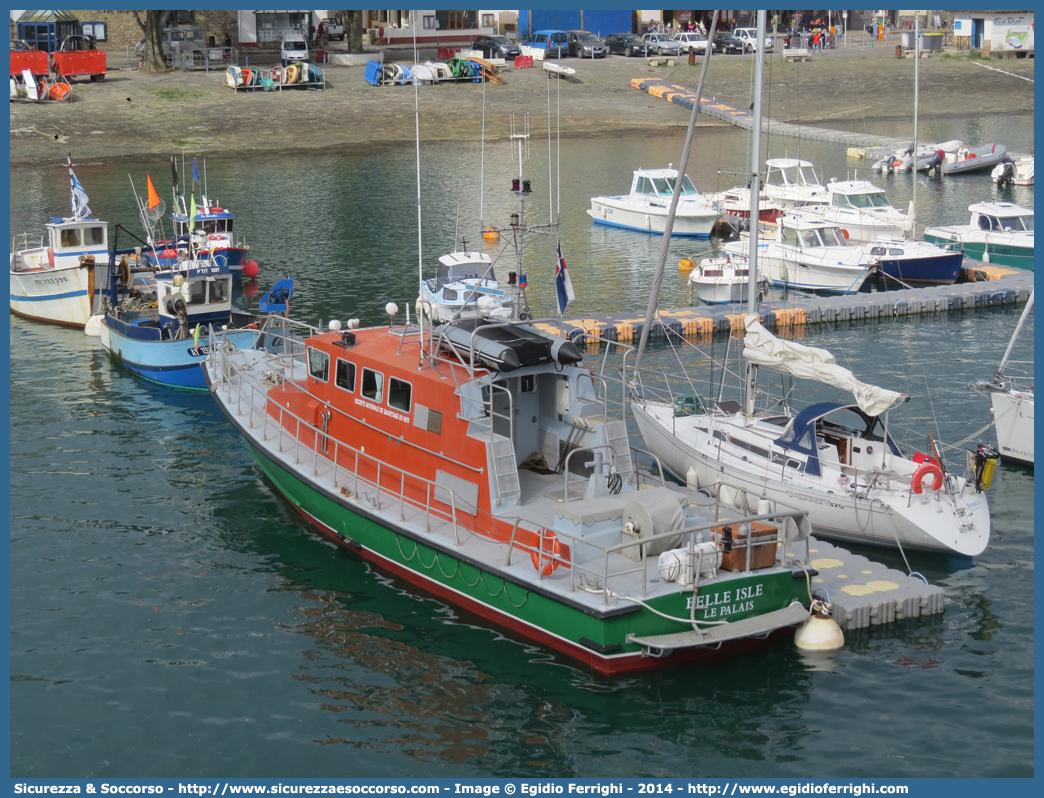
563	284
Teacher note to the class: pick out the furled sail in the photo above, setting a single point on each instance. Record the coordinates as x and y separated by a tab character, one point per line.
811	363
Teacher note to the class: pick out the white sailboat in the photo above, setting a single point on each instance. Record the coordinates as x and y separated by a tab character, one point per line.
834	459
1012	397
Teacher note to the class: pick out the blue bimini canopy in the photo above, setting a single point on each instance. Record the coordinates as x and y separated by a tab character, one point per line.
800	434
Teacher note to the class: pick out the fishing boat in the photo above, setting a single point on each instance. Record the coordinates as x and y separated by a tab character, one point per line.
861	209
1012	399
645	207
165	340
1014	172
792	183
55	281
718	281
972	160
808	254
998	232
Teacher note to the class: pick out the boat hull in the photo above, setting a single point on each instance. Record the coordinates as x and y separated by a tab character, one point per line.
1013	417
607	212
936	270
1000	253
781	269
60	296
173	363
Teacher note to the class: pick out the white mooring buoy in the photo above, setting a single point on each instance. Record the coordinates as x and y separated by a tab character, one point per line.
820	632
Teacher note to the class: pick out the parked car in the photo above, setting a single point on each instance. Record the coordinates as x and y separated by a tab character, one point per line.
693	42
625	44
183	39
729	43
496	47
585	44
750	38
334	29
662	44
556	42
293	47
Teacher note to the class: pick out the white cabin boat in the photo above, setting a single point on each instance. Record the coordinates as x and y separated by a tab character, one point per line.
718	281
861	210
809	254
645	208
464	287
792	183
998	232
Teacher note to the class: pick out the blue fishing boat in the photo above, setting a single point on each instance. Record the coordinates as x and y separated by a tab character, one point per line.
165	340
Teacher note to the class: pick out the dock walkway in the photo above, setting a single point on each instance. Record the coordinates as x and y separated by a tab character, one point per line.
680	95
799	309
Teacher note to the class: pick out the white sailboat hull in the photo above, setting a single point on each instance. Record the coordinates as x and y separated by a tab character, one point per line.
1013	417
925	522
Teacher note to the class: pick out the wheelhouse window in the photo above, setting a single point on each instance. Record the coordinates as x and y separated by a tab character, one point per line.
687	186
318	364
399	394
832	237
70	237
373	385
345	376
789	236
197	292
220	289
94	235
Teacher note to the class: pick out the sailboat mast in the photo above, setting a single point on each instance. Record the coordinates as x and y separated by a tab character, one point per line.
420	247
654	294
750	382
1018	328
917	88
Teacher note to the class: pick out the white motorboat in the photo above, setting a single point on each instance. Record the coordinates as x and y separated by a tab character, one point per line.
645	207
792	183
736	202
56	282
1014	172
861	209
1012	398
998	232
464	287
835	459
809	254
718	281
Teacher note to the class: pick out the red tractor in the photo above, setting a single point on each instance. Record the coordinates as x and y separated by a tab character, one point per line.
78	55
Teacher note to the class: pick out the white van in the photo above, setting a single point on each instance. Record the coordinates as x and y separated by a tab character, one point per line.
750	39
293	47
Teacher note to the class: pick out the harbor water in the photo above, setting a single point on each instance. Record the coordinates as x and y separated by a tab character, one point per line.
172	616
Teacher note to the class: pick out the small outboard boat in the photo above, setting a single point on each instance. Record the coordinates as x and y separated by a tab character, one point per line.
986	156
1014	173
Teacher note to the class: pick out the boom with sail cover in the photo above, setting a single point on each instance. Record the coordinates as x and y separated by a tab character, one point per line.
812	363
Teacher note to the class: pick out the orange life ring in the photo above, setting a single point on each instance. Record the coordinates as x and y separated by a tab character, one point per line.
844	232
545	558
972	155
923	470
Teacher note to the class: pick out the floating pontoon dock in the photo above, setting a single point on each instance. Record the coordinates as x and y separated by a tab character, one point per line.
1013	286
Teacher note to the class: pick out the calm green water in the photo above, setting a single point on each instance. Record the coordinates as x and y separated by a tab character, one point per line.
171	616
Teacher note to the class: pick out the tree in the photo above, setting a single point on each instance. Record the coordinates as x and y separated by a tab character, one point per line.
353	20
153	59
